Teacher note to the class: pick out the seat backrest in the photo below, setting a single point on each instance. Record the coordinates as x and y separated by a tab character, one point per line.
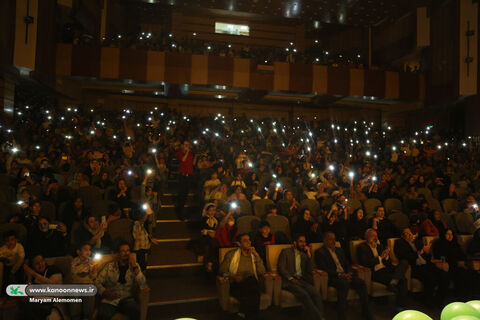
353	250
392	205
121	231
48	210
222	252
35	190
429	240
353	205
63	263
426	192
370	205
279	224
245	207
248	224
311	205
273	251
391	245
399	219
463	241
89	195
450	205
434	204
260	207
464	222
7	193
136	193
327	203
100	207
8	209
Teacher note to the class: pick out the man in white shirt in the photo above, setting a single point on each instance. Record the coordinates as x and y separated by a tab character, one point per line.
13	254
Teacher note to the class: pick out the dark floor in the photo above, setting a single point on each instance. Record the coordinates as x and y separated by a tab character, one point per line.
381	310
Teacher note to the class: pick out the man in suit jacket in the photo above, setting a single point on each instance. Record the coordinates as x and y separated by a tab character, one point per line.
373	255
419	258
340	276
295	268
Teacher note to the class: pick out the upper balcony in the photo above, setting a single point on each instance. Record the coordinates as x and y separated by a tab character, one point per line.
109	63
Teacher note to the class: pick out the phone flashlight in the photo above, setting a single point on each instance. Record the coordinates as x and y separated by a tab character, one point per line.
233	205
279	184
331	167
374	178
129	172
145	206
149	171
97	256
20	202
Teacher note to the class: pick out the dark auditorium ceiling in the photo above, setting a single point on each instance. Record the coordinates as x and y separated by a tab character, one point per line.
346	12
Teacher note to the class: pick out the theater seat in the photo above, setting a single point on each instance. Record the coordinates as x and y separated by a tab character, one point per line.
281	298
321	279
229	303
375	289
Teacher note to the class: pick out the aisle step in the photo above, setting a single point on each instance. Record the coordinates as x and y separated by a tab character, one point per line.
172	229
172	252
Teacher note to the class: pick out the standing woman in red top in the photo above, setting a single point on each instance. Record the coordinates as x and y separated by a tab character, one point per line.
185	174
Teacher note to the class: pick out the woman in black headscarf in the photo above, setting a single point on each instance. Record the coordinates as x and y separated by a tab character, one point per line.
448	250
357	225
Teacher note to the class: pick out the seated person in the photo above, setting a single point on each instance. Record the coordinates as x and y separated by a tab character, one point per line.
245	269
12	254
357	225
38	272
447	249
227	231
419	257
47	239
384	227
296	269
95	234
208	247
473	247
84	271
213	182
237	194
306	226
262	239
332	259
288	206
115	283
373	255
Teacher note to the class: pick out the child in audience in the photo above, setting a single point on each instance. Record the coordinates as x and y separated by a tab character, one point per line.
12	254
263	238
141	237
84	271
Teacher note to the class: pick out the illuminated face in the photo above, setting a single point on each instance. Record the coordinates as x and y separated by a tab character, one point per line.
300	243
407	235
211	211
124	252
11	242
93	223
43	225
78	203
360	214
245	242
265	231
380	212
38	264
121	184
36	209
372	238
85	251
306	215
449	235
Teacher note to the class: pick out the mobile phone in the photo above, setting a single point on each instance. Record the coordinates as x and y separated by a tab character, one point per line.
104	219
52	226
64	158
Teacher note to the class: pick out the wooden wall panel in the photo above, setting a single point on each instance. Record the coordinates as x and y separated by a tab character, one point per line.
409	86
260	80
374	83
392	81
357	82
301	76
110	63
64	59
86	61
220	70
133	64
177	67
320	79
281	80
25	51
338	81
241	72
199	69
155	66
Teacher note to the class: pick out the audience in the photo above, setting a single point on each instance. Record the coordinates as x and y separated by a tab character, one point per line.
284	162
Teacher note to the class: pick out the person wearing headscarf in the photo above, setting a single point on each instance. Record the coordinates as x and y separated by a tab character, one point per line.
208	241
447	249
